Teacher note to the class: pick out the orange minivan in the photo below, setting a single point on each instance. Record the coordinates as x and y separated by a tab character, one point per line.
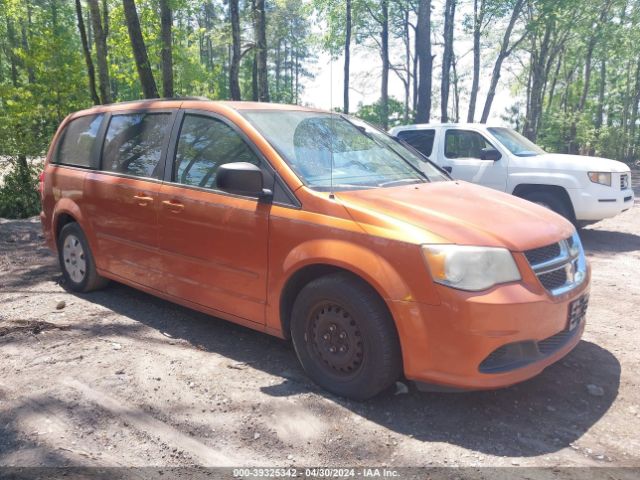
315	226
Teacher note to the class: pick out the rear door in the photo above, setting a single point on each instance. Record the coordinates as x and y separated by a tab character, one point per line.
123	197
461	156
214	244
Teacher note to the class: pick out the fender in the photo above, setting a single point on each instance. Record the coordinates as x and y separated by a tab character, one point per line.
363	262
554	179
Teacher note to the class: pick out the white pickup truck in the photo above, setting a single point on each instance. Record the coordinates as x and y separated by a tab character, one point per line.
582	189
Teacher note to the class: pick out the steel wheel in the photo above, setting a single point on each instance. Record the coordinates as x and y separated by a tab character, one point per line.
335	339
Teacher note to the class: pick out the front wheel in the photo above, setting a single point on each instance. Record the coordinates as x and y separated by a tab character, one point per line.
76	260
345	338
552	202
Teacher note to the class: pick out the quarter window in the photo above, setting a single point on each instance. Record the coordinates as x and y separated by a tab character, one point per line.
133	143
204	144
77	141
464	144
421	140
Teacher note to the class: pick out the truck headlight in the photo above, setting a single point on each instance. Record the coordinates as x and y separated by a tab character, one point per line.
603	178
470	268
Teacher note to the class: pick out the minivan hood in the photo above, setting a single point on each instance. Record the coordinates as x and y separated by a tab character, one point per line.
562	161
454	212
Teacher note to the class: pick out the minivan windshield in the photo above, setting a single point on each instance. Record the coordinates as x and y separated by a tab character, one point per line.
332	152
516	143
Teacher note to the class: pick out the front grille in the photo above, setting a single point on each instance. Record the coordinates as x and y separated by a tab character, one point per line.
554	279
624	181
555	343
560	266
520	354
542	254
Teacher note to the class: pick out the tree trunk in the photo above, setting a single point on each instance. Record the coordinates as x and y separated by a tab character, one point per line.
13	58
447	56
478	18
505	51
260	27
456	91
347	57
166	21
254	77
601	90
425	62
87	55
234	68
384	87
100	39
139	50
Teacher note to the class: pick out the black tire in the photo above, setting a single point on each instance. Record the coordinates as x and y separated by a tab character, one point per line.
367	359
553	202
78	268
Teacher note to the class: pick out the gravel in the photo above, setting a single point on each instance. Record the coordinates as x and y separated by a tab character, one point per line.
120	378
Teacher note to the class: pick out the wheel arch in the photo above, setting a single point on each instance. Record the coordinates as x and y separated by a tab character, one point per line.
523	189
318	258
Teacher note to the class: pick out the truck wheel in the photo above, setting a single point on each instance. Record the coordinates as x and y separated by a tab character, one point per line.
552	202
345	338
76	260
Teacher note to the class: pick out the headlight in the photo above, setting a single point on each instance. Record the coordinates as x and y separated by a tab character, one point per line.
470	268
603	178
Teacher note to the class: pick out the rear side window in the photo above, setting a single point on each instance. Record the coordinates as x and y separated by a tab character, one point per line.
204	144
133	143
421	140
78	140
464	144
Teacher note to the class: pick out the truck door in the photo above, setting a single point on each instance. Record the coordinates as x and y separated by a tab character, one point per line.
469	156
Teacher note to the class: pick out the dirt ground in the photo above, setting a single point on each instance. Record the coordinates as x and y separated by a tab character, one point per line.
120	378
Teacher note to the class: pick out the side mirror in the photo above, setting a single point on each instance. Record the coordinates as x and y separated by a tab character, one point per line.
242	178
490	154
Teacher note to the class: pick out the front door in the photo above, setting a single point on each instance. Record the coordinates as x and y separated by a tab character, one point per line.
461	154
214	244
123	198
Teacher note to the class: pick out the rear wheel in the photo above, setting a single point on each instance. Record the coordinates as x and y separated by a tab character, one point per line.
552	202
76	260
345	337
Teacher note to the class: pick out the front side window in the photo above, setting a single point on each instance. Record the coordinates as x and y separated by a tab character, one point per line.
204	144
133	143
421	140
464	144
77	141
516	143
333	152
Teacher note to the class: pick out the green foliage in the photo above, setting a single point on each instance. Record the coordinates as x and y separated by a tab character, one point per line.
19	197
373	113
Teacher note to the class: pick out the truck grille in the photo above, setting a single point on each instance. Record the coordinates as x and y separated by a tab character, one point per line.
561	266
624	181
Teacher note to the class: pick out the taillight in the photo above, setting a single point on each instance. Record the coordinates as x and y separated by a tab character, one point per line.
41	183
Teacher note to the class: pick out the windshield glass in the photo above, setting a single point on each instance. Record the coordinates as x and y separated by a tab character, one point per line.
333	152
516	143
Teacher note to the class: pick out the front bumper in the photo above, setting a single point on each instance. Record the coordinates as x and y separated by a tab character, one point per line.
446	344
598	202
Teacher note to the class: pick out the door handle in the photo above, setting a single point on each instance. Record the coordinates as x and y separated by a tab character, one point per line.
176	207
447	169
143	199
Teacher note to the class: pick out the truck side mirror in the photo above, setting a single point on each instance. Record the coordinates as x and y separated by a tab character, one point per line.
490	154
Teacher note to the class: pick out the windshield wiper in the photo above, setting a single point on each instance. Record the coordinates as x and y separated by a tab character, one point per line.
400	182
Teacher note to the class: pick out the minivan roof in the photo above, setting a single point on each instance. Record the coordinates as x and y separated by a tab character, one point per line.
193	102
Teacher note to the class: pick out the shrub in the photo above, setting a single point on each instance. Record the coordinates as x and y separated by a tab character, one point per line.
19	197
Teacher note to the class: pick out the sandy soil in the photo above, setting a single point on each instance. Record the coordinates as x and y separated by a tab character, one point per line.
120	378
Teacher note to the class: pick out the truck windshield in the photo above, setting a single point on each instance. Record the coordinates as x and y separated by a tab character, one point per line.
516	143
334	152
